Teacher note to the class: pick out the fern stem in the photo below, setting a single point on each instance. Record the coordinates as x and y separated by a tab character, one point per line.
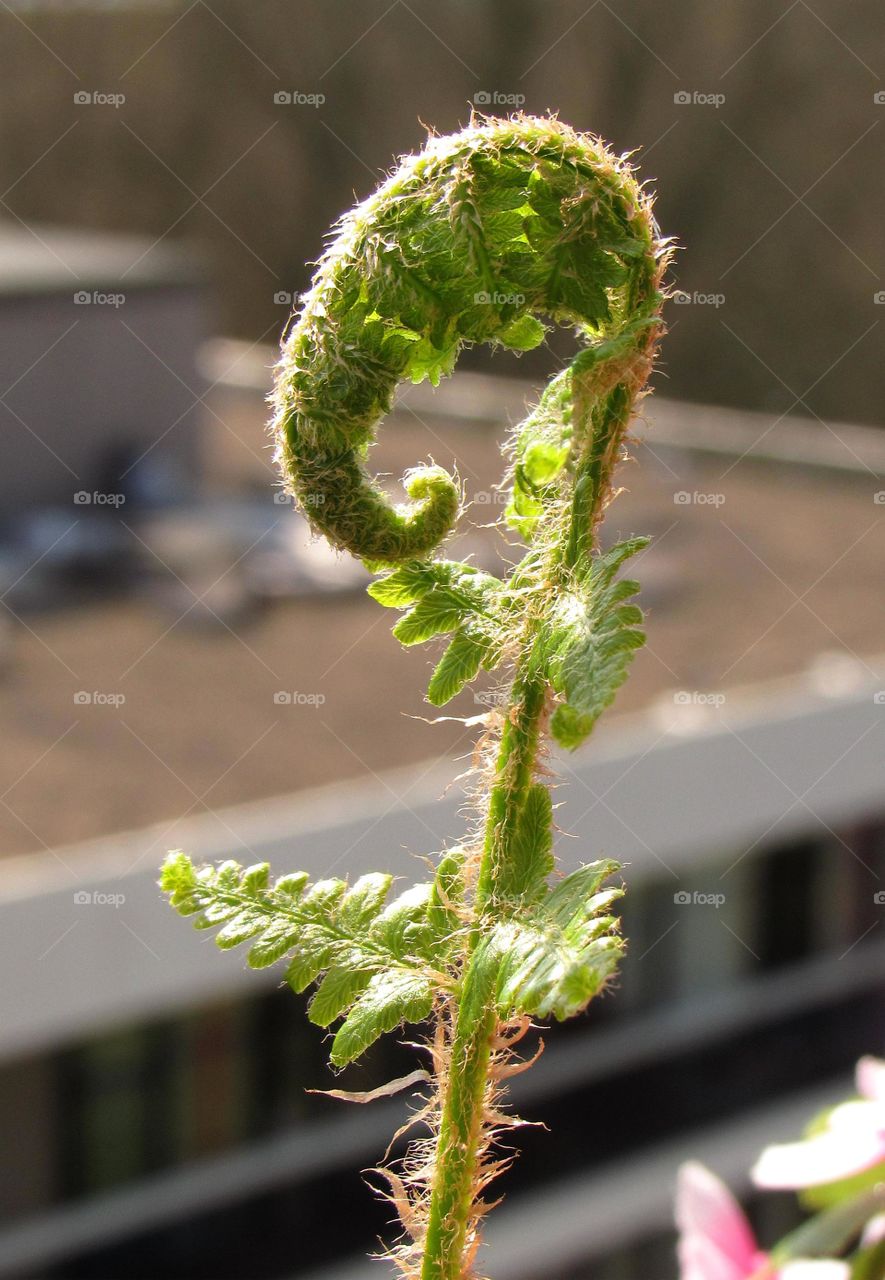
520	741
447	1245
461	1130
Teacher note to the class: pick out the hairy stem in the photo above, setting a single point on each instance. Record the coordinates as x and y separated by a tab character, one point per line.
460	1132
486	236
520	741
447	1246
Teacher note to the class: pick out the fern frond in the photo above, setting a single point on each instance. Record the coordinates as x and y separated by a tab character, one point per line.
378	964
486	236
591	639
443	597
556	955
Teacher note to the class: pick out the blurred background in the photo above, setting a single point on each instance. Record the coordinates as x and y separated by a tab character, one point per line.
182	665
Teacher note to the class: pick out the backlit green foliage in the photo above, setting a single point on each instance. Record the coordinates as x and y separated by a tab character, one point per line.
556	955
441	597
493	235
591	637
378	965
479	238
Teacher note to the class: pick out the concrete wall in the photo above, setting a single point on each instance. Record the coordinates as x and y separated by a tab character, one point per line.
82	385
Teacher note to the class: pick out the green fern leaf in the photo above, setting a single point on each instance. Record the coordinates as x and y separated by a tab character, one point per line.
362	903
523	334
336	993
457	667
558	954
391	998
446	899
403	927
433	615
276	942
306	966
591	642
242	927
407	584
322	899
346	936
440	597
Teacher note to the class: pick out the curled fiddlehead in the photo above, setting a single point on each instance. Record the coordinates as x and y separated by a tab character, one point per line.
478	238
481	237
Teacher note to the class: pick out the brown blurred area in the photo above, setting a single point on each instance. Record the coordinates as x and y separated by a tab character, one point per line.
735	595
775	194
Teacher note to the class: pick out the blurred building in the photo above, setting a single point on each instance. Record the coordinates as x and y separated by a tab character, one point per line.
99	336
156	1089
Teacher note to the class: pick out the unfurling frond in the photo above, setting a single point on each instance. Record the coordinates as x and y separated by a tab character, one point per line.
495	235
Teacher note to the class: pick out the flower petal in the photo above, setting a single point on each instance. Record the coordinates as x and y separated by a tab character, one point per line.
861	1117
707	1211
823	1270
874	1231
827	1158
699	1259
870	1076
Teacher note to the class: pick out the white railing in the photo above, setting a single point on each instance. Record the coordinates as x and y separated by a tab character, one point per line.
660	796
355	1136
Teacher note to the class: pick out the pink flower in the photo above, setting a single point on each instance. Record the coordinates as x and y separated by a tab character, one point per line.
716	1241
852	1142
874	1231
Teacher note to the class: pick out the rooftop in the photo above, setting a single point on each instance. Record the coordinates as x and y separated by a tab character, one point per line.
760	567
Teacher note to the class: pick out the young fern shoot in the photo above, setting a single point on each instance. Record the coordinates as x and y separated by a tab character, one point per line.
483	236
